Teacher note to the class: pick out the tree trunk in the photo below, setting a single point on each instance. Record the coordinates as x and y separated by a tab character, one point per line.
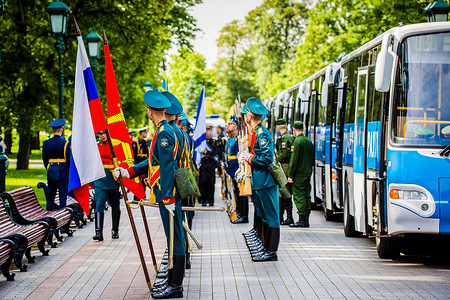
23	157
35	144
8	141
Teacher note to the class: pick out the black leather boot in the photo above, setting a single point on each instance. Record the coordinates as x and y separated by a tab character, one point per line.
307	220
270	254
281	215
289	220
115	225
99	218
174	288
300	223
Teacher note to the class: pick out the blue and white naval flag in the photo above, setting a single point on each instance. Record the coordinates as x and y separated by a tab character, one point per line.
200	129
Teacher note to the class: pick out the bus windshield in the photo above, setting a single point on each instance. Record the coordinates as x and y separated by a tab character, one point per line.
421	108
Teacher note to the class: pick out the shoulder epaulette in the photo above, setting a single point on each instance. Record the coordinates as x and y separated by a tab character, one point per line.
161	128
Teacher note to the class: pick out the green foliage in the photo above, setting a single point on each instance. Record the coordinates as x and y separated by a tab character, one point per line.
276	28
343	26
187	71
20	178
138	33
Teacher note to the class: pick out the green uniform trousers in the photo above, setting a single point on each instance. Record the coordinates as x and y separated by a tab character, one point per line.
286	204
301	189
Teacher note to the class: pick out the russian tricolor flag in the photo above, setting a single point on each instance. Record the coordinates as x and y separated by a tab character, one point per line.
88	118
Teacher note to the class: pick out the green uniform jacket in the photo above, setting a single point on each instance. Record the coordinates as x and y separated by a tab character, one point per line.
302	157
261	159
283	146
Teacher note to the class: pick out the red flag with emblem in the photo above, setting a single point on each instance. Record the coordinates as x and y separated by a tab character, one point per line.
118	128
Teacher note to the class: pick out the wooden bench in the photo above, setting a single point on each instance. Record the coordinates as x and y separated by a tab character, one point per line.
78	213
23	236
25	209
7	251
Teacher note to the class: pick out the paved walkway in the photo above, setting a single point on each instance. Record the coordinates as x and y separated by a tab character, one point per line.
315	263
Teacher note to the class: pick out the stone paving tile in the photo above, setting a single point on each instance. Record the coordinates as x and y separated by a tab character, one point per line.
315	263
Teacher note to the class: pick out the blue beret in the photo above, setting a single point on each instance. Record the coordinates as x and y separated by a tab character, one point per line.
175	108
156	100
263	118
256	106
57	123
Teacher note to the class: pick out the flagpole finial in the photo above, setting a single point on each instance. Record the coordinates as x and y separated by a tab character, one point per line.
203	81
164	64
76	26
104	36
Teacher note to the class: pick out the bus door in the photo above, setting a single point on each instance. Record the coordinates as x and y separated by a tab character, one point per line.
340	94
329	148
313	112
359	156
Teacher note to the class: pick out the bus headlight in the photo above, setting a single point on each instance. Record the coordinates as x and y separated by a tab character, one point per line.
412	197
407	195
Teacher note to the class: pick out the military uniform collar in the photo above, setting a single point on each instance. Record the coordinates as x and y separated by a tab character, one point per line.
234	135
158	126
256	127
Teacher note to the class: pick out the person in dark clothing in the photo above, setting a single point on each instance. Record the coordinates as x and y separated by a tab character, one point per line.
56	157
208	165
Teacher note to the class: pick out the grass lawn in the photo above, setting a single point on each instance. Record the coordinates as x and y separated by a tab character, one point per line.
31	177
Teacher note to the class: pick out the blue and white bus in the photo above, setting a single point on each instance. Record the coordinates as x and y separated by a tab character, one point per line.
379	119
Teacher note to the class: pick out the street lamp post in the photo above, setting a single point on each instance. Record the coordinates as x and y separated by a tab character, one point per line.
437	11
94	41
147	86
59	12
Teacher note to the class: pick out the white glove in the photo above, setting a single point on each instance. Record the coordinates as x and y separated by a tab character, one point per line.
243	156
170	208
121	171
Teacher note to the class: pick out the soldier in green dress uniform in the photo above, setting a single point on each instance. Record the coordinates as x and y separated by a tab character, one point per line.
302	162
264	188
283	146
162	165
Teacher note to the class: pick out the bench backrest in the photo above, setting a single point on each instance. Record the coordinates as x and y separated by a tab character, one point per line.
5	220
25	200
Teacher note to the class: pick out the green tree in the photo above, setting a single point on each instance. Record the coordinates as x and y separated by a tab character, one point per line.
341	26
137	36
186	74
235	69
275	28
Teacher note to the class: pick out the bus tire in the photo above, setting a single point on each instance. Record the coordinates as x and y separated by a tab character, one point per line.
327	213
349	220
387	246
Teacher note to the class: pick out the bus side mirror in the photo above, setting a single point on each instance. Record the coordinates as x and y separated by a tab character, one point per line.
384	65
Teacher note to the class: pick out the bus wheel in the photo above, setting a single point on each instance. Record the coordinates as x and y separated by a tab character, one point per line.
387	246
349	220
327	213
